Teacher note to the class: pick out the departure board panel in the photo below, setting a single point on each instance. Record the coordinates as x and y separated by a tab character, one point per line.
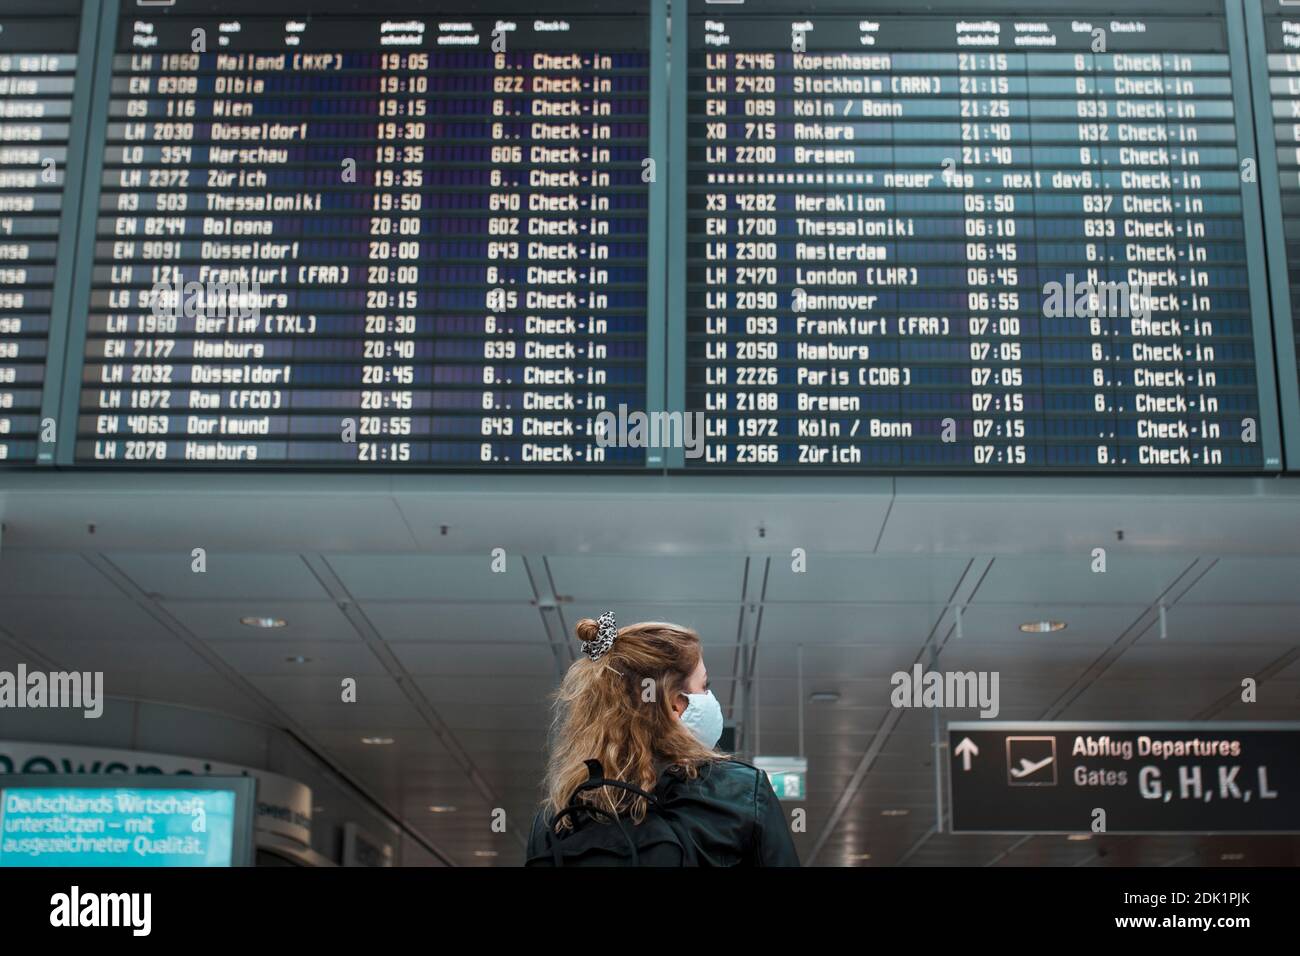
38	66
371	234
1275	59
973	237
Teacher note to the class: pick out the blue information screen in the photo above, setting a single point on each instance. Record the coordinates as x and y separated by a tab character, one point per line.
116	826
380	234
971	236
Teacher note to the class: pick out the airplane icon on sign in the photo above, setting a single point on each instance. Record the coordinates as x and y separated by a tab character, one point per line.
1027	767
1031	761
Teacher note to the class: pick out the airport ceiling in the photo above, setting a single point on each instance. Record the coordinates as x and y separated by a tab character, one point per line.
390	580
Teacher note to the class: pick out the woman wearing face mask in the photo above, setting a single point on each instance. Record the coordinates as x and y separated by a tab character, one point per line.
636	709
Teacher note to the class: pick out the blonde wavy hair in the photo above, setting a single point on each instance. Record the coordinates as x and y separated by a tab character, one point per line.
619	710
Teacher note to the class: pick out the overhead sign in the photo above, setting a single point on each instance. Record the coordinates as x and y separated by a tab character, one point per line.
283	805
63	820
788	775
361	848
1060	777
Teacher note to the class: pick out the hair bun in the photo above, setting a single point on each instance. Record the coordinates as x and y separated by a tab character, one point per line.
587	629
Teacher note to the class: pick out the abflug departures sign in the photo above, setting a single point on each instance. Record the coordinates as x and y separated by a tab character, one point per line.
1147	778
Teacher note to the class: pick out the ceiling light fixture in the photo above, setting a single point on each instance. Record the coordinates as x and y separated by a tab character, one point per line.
1074	837
442	808
859	856
824	697
1042	627
267	622
485	852
894	813
297	659
377	741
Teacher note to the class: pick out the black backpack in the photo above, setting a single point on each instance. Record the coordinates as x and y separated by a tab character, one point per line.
653	842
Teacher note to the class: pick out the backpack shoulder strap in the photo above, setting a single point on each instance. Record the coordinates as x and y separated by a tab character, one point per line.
596	780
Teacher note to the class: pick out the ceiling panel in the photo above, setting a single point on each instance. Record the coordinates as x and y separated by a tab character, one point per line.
11	657
1059	515
1210	623
453	659
907	624
1186	694
35	574
200	511
61	725
638	515
589	577
1048	579
1262	709
417	621
1292	670
407	750
495	716
784	740
37	619
228	575
908	763
722	661
838	659
1280	693
272	657
1001	622
476	690
715	623
432	577
1140	707
866	579
784	692
1177	659
821	720
204	692
304	620
201	734
1248	581
367	718
124	658
319	688
532	742
1046	656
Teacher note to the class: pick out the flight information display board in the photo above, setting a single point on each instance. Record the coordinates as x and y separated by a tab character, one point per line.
371	234
973	236
1274	32
38	68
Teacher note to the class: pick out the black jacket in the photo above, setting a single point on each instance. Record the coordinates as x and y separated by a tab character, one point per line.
726	816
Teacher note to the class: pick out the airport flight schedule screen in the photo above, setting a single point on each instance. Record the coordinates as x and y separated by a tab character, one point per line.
38	64
1282	40
968	240
370	234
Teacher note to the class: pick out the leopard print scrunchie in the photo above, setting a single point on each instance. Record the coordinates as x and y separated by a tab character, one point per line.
604	640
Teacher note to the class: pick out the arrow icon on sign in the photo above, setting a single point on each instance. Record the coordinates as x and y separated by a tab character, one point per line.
965	750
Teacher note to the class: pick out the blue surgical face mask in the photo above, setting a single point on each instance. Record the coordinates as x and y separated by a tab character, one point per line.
703	718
